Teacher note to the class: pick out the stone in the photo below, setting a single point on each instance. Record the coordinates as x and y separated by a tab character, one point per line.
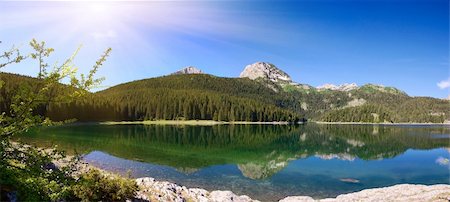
342	87
297	199
188	70
228	196
266	71
167	191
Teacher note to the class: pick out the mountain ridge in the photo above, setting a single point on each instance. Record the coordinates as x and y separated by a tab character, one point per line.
270	72
263	92
265	71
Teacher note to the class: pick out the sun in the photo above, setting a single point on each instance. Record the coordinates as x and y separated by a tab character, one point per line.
97	7
99	11
98	19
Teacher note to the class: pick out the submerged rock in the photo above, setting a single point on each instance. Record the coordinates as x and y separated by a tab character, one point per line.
349	180
442	161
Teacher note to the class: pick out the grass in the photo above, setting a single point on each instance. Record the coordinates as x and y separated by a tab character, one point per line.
374	123
186	122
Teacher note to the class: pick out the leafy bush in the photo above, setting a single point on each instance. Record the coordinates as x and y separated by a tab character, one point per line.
47	174
31	172
96	186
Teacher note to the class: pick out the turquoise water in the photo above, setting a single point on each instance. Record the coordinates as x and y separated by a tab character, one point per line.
266	162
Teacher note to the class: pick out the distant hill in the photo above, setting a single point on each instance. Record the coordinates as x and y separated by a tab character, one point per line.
370	103
263	93
183	96
349	102
10	87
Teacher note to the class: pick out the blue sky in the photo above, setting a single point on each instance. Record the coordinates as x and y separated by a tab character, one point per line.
395	43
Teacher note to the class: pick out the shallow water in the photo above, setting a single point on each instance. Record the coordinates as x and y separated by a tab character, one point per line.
266	162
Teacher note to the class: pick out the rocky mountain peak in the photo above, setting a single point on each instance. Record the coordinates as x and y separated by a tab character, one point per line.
266	71
188	70
342	87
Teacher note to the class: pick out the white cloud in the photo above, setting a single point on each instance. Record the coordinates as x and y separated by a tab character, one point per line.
444	84
442	161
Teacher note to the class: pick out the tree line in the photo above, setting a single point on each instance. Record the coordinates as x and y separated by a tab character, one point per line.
206	97
177	97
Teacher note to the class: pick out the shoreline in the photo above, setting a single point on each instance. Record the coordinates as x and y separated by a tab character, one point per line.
211	123
386	124
193	123
153	190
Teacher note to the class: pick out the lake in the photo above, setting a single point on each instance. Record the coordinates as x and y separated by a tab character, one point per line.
265	162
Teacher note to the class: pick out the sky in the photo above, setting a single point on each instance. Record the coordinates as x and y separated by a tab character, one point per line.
400	43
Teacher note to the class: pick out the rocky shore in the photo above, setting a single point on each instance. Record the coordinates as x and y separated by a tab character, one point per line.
153	190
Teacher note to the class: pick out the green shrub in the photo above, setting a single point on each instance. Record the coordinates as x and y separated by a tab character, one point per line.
29	171
96	186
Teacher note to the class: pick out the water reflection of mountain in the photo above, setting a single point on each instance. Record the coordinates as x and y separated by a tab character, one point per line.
258	150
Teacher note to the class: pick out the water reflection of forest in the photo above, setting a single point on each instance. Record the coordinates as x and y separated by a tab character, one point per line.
259	150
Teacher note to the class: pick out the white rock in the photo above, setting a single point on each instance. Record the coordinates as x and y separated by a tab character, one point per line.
356	102
167	191
297	199
188	70
342	87
403	192
228	196
340	156
266	71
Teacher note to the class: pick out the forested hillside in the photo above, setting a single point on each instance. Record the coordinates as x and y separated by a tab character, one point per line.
181	97
371	104
207	97
11	84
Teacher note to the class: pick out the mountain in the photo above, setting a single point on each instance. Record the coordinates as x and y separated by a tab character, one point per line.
263	70
370	103
342	87
349	102
271	76
188	70
262	93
